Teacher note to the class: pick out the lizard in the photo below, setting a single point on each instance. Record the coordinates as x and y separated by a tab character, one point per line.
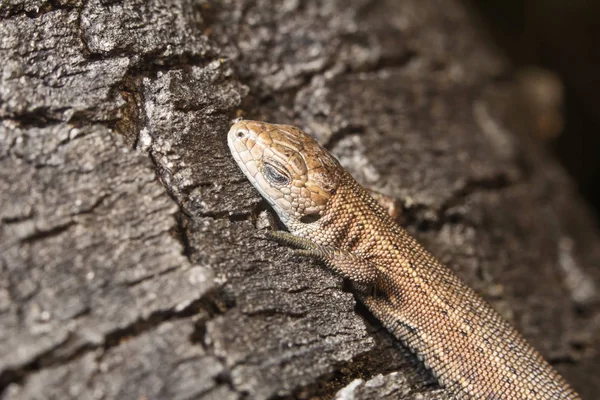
470	349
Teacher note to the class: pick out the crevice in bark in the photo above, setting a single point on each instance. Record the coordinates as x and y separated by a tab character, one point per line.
111	339
417	214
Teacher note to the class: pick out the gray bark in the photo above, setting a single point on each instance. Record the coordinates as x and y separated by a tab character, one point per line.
132	250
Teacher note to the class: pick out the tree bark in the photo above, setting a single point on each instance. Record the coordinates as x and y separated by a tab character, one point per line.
132	250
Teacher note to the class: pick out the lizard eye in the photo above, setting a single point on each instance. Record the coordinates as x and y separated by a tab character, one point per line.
276	175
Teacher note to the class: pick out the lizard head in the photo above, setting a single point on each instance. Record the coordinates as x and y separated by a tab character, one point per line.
288	167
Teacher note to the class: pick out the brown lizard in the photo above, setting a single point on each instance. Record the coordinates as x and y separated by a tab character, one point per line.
469	347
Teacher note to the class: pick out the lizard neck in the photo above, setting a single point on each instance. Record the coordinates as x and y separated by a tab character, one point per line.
351	221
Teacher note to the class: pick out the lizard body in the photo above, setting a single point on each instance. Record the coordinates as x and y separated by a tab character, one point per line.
470	348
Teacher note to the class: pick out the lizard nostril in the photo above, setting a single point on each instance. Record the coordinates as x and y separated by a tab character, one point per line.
240	133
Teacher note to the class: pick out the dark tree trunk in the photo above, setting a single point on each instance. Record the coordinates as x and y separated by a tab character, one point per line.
132	253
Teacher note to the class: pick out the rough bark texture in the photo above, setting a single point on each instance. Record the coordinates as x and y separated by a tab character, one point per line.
132	254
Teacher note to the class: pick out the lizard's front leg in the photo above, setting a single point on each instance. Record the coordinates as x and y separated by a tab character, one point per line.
343	262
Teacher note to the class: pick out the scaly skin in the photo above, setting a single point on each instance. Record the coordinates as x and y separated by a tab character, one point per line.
471	350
